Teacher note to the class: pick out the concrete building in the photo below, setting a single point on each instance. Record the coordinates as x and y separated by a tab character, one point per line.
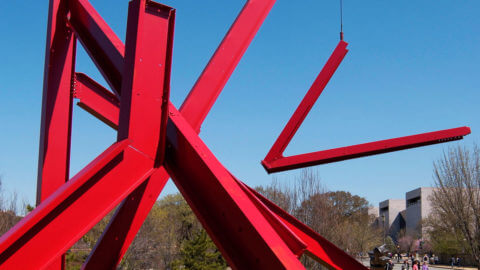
396	215
373	211
418	208
391	217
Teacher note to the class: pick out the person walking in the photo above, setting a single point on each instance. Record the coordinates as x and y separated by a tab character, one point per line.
415	265
389	265
425	266
405	265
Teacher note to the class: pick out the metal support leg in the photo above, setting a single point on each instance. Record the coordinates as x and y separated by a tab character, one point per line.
55	132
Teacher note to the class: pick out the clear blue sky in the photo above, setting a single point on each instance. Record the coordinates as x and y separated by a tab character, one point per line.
413	67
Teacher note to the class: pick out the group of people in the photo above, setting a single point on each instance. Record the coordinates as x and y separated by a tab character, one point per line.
455	261
416	264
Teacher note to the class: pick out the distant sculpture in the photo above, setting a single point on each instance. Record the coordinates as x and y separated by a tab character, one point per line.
378	258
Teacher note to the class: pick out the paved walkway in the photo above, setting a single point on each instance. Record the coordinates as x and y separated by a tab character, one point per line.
398	266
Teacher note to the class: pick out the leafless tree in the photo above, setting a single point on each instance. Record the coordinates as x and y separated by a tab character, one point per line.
406	242
8	210
456	201
339	216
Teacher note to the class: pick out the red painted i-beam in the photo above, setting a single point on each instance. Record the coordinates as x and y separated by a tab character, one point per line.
276	162
56	119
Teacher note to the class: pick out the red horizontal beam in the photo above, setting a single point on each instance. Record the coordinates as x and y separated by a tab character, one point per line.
96	100
65	216
365	149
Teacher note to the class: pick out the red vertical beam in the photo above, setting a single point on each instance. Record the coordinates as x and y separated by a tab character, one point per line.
143	116
56	119
217	72
130	216
146	79
236	225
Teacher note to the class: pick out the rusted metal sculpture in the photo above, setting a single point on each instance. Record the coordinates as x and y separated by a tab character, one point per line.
156	141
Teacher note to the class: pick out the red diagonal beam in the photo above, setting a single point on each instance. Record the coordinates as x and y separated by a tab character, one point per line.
64	217
317	247
126	222
296	245
366	149
215	75
225	210
104	47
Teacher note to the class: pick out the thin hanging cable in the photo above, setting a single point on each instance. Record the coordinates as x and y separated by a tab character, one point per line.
341	19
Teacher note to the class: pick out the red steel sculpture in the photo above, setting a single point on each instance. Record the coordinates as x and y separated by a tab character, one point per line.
156	141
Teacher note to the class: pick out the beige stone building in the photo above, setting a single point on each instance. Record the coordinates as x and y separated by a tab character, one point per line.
406	214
